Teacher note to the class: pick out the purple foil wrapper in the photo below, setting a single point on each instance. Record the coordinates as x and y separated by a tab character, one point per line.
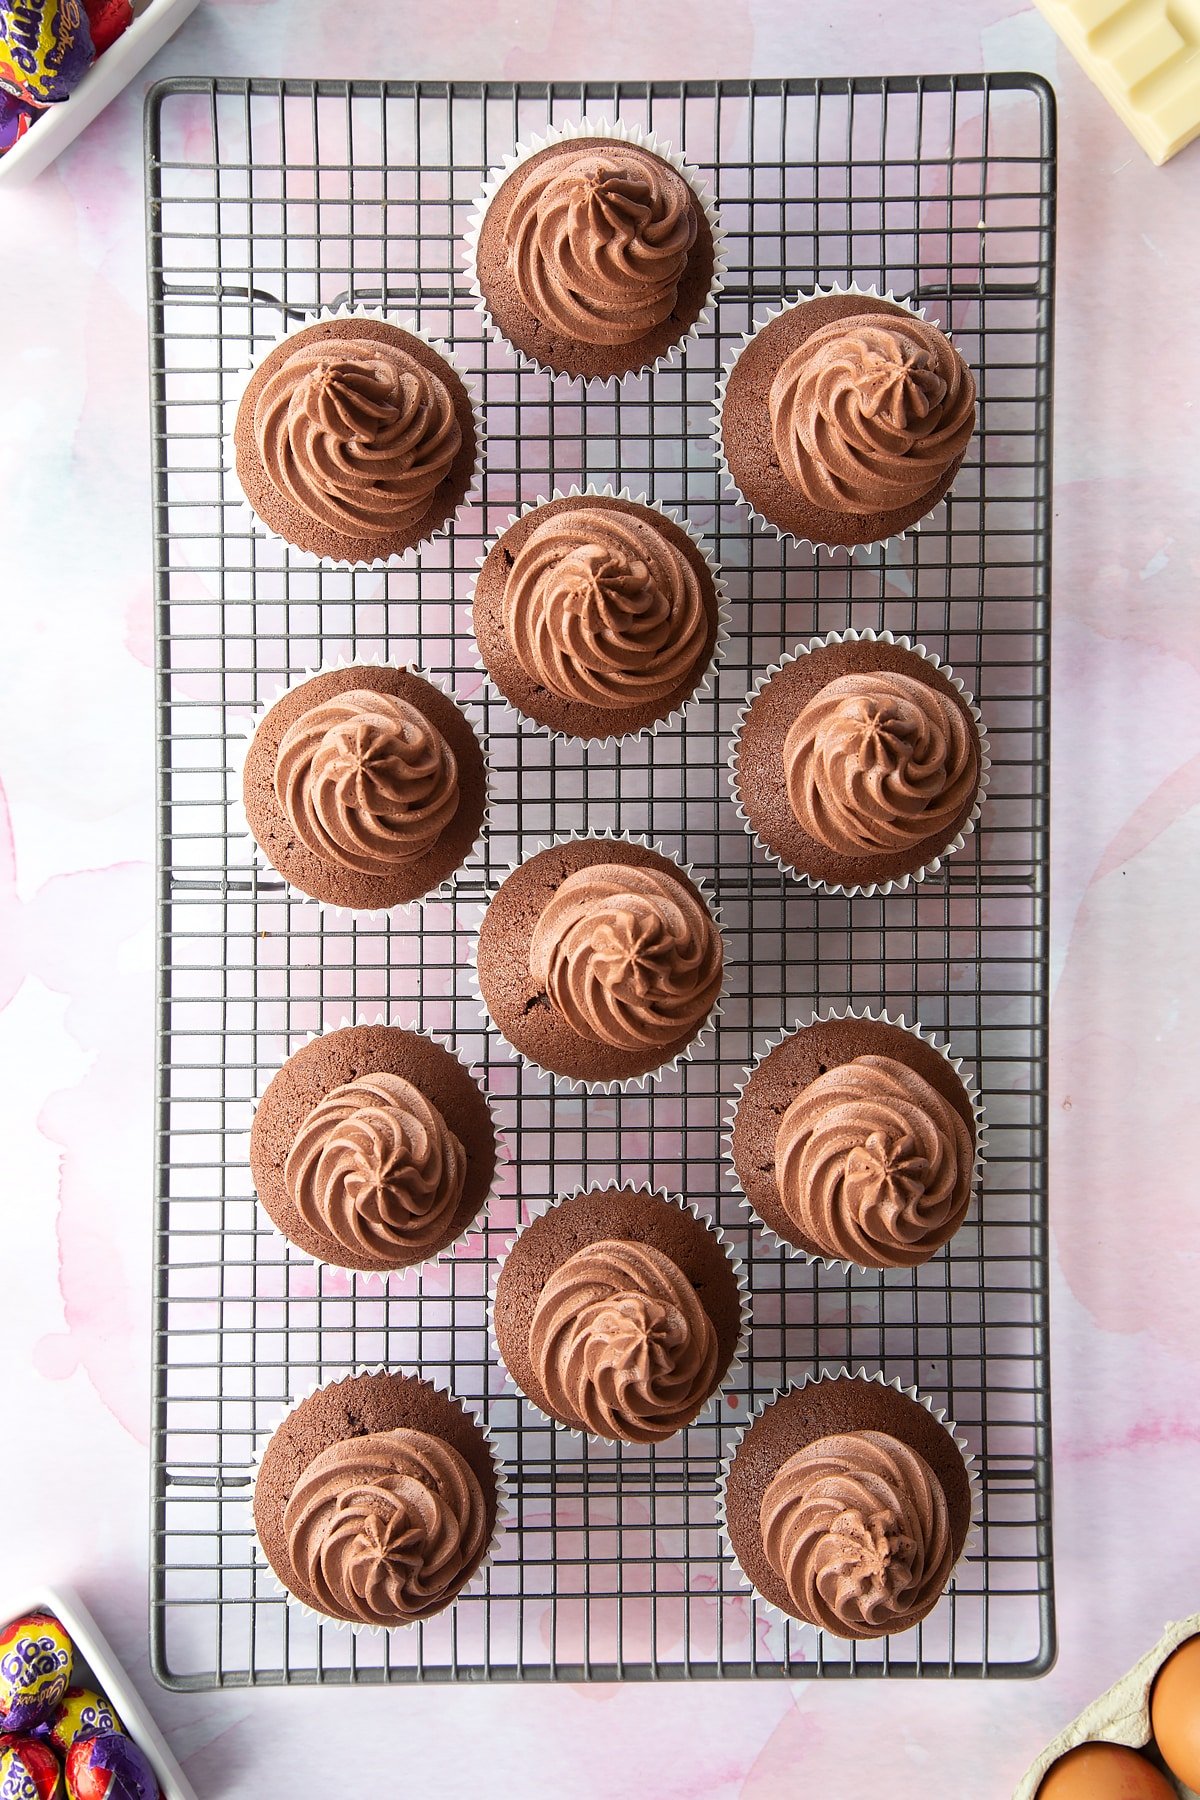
46	49
110	1767
15	120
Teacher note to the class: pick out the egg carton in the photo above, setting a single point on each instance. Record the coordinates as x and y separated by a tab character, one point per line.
96	1666
1121	1716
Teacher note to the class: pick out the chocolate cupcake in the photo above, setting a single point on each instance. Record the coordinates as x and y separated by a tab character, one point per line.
859	763
373	1148
619	1313
847	1503
355	438
597	615
365	787
594	251
377	1500
598	960
844	419
856	1141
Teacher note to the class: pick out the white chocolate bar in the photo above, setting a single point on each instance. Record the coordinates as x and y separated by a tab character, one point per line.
1144	56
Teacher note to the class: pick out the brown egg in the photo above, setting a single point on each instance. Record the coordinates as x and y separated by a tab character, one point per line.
1104	1772
1175	1713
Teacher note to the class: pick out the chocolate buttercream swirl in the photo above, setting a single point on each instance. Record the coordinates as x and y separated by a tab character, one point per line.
628	956
621	1344
366	781
357	433
876	763
598	242
376	1167
868	414
873	1165
385	1529
602	608
857	1528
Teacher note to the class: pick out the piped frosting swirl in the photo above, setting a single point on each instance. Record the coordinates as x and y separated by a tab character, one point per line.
357	433
857	1528
366	781
868	414
628	956
385	1529
621	1343
376	1167
598	240
872	1165
877	762
602	608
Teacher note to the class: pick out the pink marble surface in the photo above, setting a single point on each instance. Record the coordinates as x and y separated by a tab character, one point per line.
76	933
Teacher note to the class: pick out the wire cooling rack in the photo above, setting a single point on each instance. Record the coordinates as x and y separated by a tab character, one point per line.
265	200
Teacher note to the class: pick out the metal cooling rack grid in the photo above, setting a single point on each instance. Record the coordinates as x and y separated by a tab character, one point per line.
265	200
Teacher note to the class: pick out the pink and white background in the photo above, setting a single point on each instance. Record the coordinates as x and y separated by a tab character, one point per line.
77	901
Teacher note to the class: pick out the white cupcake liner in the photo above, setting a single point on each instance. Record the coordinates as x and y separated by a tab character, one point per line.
308	559
380	1279
704	686
898	883
727	368
478	1581
575	1084
815	1633
626	134
916	1030
257	856
709	1412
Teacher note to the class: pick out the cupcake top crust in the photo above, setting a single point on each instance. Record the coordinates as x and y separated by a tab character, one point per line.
857	1529
373	1148
868	415
847	1504
618	1313
858	762
376	1500
366	781
599	960
854	1139
594	256
596	616
355	439
876	763
377	1167
383	1529
846	419
621	1343
365	786
627	957
873	1165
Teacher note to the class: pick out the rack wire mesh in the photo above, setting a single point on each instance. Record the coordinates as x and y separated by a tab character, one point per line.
266	199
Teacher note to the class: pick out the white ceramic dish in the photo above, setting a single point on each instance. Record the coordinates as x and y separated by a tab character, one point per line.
59	125
96	1666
